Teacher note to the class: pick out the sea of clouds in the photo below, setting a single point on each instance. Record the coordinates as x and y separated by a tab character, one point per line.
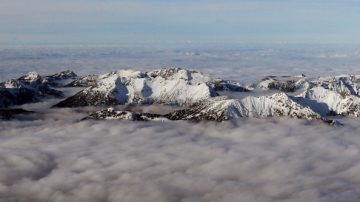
51	156
57	159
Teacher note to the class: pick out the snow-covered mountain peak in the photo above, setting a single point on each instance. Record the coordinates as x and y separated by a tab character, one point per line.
344	84
337	103
127	73
191	76
166	86
31	77
171	73
67	74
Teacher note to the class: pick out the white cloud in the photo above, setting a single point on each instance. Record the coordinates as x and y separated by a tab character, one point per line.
54	158
255	160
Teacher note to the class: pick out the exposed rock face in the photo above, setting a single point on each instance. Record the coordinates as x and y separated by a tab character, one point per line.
284	84
215	109
56	79
26	89
67	74
7	114
174	86
110	113
84	81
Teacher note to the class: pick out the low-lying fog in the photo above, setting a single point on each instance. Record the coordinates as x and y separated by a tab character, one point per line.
51	156
58	159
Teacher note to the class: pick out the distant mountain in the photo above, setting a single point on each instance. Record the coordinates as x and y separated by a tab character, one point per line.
58	79
284	83
84	81
26	89
344	84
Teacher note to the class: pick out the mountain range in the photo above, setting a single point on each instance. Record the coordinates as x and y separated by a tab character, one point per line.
199	95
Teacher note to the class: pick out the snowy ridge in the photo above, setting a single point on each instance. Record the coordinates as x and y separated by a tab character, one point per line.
176	86
31	77
51	80
344	84
335	95
337	103
278	104
59	79
173	86
84	81
222	109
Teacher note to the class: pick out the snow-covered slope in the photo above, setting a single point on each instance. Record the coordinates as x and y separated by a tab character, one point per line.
344	84
222	109
166	86
338	103
336	95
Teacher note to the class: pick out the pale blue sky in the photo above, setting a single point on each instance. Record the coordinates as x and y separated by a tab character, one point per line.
179	21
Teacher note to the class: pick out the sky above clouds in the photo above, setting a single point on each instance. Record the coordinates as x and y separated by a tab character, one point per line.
166	22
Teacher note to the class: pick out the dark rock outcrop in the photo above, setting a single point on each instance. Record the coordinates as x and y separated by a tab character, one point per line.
7	114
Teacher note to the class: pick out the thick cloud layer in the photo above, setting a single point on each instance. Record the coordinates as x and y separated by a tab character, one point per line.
50	156
256	160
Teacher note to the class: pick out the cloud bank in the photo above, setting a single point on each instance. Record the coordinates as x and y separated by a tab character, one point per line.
55	158
59	160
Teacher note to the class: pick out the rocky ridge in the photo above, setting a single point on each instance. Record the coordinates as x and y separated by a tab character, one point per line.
26	89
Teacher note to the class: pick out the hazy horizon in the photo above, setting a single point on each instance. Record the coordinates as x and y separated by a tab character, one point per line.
168	22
